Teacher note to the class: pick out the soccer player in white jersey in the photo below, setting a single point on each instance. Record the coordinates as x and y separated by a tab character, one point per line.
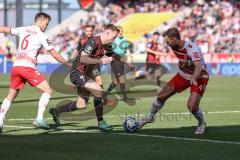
31	41
192	74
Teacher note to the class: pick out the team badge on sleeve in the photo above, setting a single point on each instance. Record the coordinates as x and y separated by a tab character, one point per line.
196	55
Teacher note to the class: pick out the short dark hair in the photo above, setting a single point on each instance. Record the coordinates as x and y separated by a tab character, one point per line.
42	15
156	33
172	32
111	27
89	26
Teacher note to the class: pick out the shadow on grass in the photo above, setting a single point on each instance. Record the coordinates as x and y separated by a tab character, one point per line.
227	133
56	144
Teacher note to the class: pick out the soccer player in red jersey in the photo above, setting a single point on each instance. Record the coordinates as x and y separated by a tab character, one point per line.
192	74
31	40
153	66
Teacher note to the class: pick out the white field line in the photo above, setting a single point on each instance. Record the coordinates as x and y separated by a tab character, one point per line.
123	115
23	127
138	135
179	138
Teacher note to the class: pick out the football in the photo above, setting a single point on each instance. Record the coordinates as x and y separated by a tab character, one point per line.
130	125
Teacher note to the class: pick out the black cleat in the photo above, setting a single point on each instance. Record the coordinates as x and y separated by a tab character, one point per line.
55	116
1	129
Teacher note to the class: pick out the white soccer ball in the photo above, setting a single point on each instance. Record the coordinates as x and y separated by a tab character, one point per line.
130	124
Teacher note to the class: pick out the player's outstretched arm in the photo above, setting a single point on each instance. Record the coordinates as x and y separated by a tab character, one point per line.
85	58
75	53
59	58
5	30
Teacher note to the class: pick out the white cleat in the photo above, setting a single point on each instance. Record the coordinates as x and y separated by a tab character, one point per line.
200	129
146	120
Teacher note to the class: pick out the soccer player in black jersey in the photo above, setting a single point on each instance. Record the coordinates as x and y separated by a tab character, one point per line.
97	50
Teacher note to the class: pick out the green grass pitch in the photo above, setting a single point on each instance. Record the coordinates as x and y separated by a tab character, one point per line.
170	137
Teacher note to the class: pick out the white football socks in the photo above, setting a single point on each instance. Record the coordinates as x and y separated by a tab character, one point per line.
199	116
43	102
4	108
156	106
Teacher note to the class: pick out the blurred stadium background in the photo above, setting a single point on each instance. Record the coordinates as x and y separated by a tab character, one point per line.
214	25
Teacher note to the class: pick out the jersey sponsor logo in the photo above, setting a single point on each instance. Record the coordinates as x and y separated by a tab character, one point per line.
21	54
49	42
196	55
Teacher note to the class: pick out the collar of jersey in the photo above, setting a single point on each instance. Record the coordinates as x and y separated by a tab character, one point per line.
37	27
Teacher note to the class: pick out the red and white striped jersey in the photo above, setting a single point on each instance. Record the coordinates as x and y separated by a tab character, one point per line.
186	56
31	41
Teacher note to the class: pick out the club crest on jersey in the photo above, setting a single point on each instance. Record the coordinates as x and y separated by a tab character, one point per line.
49	42
89	48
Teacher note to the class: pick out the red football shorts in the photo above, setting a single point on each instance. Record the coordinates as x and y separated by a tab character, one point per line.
180	84
20	75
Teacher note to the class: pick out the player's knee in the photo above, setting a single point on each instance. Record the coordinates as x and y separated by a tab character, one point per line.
81	105
191	106
11	98
121	79
48	91
161	98
191	109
